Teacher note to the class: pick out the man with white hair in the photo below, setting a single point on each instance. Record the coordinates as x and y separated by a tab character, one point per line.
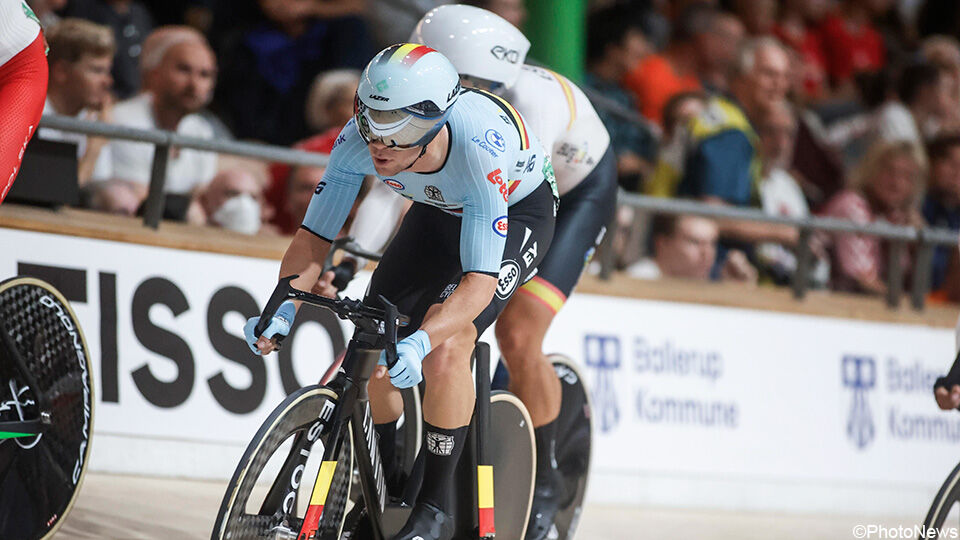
179	71
720	162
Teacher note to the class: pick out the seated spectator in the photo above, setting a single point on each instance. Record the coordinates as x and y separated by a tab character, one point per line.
941	207
686	247
887	187
780	192
615	44
300	185
758	16
678	113
925	105
330	102
268	68
234	200
178	82
658	77
279	189
852	43
797	29
720	45
114	197
79	85
131	22
944	52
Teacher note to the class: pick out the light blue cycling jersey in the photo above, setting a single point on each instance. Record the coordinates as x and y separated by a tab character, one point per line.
492	163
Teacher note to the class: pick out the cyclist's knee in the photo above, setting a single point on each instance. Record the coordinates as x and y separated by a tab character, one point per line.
448	360
516	343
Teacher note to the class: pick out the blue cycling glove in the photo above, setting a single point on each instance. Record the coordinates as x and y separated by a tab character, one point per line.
280	324
408	371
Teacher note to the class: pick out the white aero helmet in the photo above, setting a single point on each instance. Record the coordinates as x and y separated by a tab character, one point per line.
480	44
405	95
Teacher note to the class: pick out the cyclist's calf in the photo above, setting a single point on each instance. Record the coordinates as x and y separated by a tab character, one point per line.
449	395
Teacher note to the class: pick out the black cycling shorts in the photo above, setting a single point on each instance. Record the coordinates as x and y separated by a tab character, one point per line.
585	213
421	266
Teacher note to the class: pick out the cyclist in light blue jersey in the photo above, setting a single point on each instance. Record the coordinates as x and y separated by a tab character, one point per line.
483	219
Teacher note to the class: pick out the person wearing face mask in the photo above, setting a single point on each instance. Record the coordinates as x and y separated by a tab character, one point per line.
234	200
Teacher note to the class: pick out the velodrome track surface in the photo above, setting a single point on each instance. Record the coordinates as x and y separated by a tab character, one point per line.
113	507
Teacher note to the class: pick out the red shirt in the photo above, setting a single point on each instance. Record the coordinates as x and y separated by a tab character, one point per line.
276	192
654	82
808	46
850	49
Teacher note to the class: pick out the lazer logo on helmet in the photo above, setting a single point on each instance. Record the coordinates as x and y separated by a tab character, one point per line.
453	93
379	98
507	55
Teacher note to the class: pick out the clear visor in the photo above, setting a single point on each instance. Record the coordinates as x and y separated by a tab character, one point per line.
397	128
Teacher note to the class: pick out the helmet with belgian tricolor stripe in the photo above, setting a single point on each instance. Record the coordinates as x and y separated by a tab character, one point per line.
405	95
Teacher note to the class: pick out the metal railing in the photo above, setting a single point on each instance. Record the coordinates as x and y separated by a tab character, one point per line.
898	236
164	140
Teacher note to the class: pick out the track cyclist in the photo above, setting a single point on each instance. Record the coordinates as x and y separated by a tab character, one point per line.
458	255
23	85
489	53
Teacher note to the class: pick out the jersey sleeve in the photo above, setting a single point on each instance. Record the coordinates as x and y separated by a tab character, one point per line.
483	230
337	190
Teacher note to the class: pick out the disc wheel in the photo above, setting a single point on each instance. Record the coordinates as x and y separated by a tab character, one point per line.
573	444
512	452
44	374
297	429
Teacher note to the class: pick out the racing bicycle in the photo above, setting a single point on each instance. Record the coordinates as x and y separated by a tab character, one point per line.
46	409
277	492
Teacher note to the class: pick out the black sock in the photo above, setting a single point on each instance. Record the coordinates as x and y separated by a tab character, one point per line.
546	438
387	435
442	448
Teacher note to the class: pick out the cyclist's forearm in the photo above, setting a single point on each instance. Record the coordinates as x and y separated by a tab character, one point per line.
305	257
464	305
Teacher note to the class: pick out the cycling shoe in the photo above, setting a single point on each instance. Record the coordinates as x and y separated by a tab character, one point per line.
548	495
427	522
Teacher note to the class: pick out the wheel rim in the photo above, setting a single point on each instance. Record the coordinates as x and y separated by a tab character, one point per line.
43	474
298	417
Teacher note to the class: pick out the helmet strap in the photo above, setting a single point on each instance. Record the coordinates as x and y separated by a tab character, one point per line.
423	150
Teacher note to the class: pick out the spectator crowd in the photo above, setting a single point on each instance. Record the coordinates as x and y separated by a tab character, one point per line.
841	108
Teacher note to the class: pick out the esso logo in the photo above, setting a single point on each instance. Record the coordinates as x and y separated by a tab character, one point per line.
508	279
500	226
394	184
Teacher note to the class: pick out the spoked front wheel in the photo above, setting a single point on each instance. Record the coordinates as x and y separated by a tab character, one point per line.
274	481
943	503
573	444
45	381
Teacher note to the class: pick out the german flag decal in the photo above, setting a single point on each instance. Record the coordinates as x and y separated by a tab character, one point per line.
512	113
